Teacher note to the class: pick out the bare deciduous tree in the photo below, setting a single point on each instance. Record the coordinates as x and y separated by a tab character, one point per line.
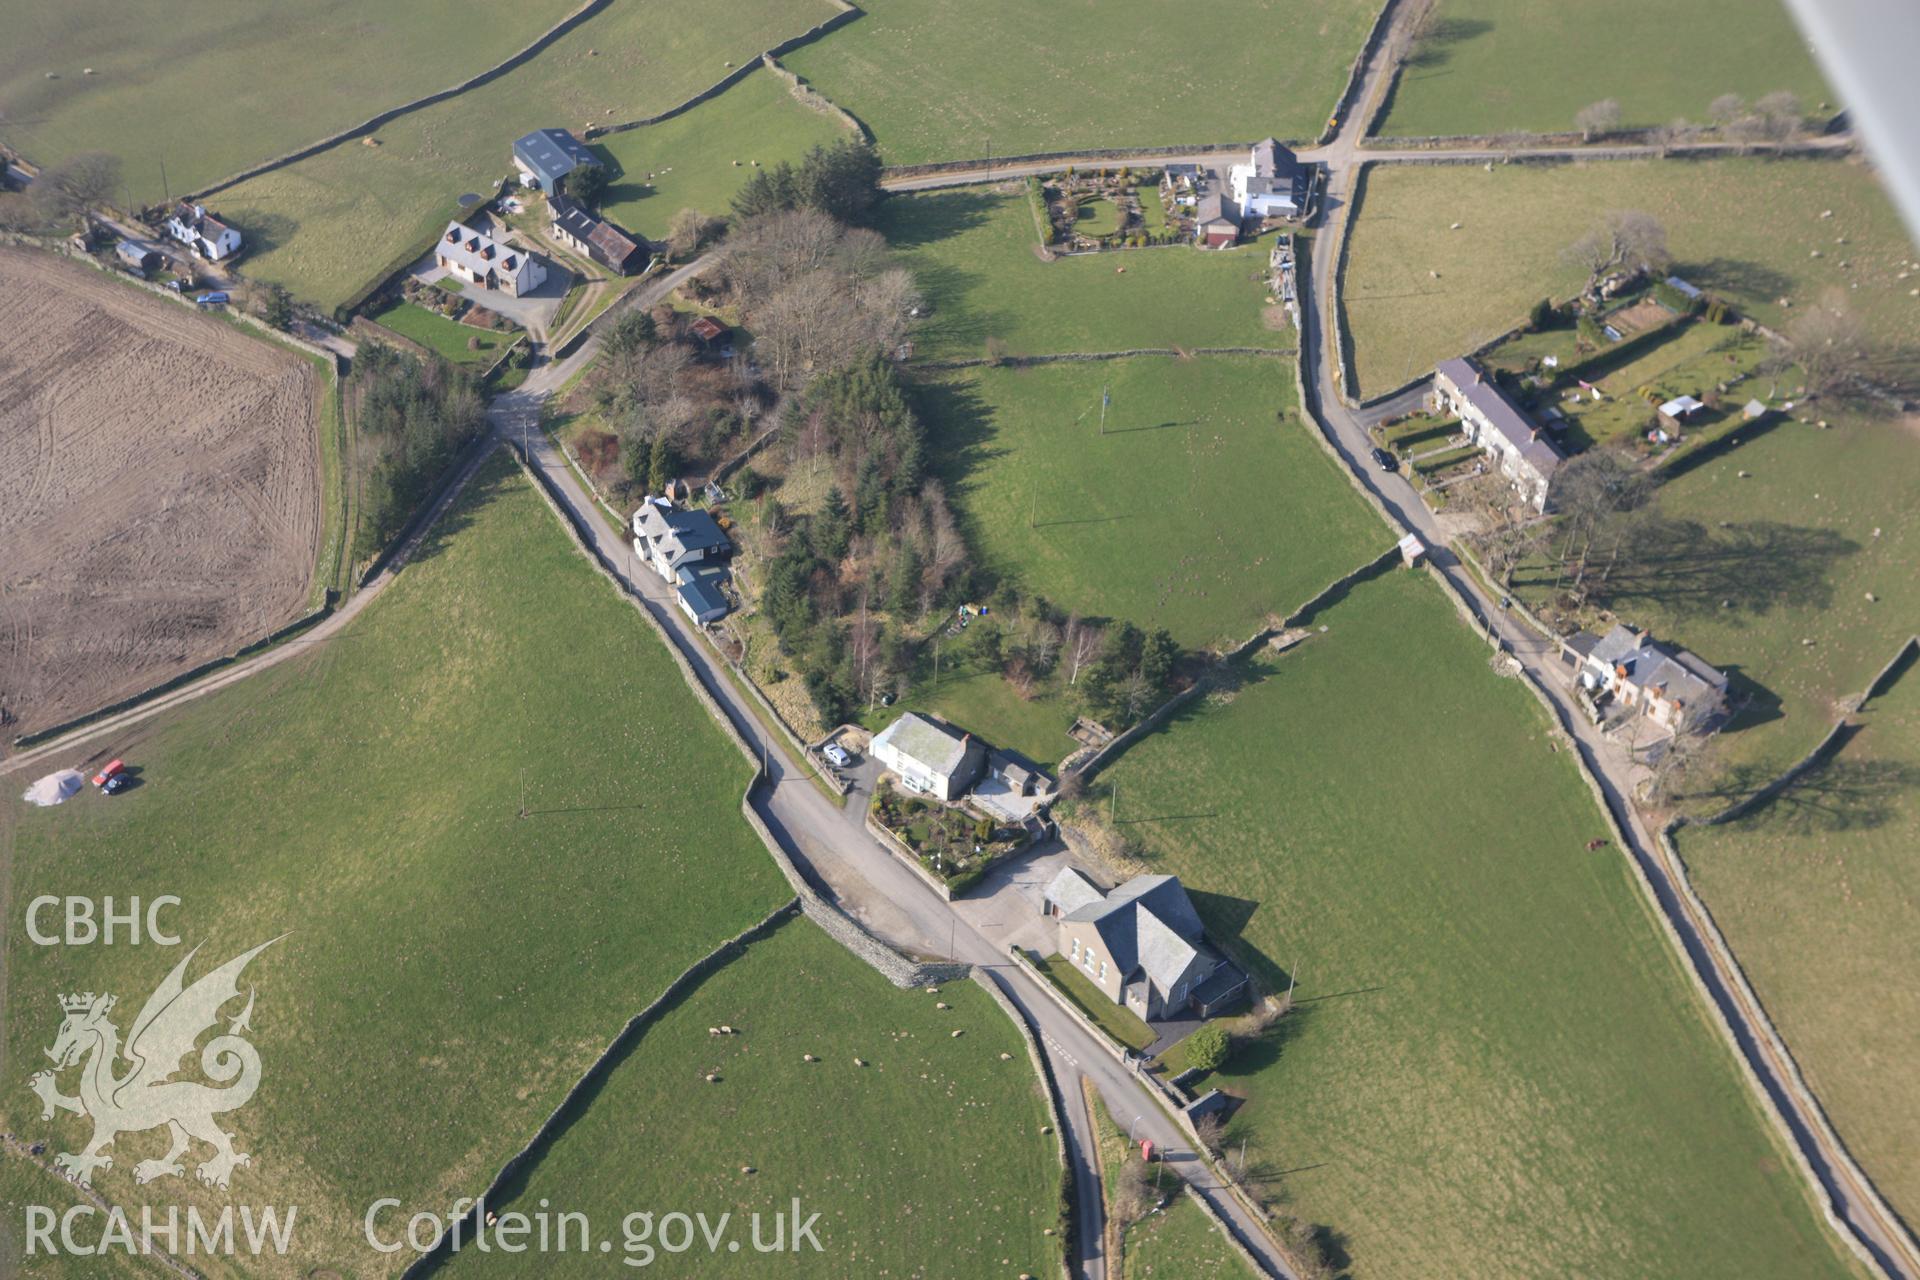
1727	110
1677	132
1830	346
1622	241
1779	115
1601	117
1084	642
687	230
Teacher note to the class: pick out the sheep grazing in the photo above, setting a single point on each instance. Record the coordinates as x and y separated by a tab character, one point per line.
807	1057
958	1032
859	1062
713	1078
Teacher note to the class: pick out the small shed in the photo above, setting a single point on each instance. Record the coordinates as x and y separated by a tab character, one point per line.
137	256
1755	411
1412	550
708	330
1680	409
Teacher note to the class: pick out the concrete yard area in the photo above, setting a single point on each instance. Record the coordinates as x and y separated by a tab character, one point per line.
160	489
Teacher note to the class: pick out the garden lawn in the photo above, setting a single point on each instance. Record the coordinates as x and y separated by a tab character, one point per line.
1206	508
930	1159
701	159
1819	895
973	252
983	702
1496	1067
279	77
1747	569
1098	217
1119	1023
1745	229
328	226
953	79
448	337
449	967
1495	66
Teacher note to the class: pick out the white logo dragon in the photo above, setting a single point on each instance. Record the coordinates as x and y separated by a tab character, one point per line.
147	1096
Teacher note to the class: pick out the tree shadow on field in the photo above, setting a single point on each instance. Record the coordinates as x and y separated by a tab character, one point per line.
1436	50
1736	276
1740	570
265	231
911	221
1840	795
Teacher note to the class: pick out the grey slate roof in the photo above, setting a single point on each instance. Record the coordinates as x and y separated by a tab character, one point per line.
702	593
936	746
1683	675
1147	923
692	531
1485	395
1212	208
479	252
569	217
551	153
1071	891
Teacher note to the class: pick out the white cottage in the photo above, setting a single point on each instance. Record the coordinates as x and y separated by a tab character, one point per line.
929	757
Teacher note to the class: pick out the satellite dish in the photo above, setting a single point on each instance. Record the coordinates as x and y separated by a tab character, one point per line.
469	200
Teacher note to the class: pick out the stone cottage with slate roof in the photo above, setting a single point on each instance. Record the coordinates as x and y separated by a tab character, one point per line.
1524	453
1670	686
1142	944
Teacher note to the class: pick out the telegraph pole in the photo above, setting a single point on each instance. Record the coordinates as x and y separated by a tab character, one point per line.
1106	398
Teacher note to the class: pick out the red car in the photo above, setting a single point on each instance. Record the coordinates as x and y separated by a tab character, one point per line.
112	768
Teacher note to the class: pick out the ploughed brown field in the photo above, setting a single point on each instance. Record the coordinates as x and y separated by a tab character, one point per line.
160	489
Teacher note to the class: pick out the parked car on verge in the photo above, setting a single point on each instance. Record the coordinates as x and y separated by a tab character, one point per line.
836	755
212	299
1385	461
109	772
117	783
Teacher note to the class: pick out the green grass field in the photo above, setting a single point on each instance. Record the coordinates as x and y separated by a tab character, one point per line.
331	224
973	252
24	1189
1746	229
692	157
1181	1243
946	80
1496	1067
1174	1242
1761	564
1501	65
206	92
1206	507
449	967
448	337
1819	896
928	1160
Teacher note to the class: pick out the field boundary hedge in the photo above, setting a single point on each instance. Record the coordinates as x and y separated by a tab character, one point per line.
813	100
1068	357
540	42
931	168
848	13
590	1081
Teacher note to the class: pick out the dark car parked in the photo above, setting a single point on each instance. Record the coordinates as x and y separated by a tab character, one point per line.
1385	461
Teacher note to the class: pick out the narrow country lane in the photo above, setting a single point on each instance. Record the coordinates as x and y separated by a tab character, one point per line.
847	865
